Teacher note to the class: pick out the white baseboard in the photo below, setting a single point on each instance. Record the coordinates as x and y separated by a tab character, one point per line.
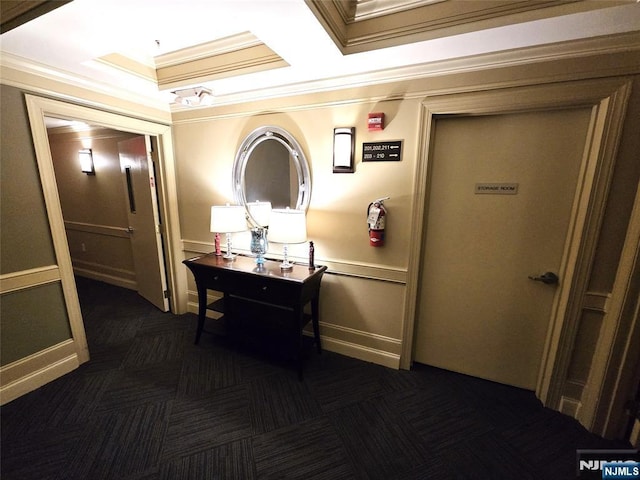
366	354
34	371
106	278
349	349
570	406
634	438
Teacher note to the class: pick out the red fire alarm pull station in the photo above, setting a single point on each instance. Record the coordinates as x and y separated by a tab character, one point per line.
376	121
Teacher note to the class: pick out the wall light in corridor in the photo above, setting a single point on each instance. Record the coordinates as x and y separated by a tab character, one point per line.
344	141
86	161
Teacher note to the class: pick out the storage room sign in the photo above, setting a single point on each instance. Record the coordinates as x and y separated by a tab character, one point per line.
496	189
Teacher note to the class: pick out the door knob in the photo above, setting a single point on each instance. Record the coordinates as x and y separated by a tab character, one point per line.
548	278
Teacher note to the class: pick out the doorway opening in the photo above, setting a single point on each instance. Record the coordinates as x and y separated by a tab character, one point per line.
110	238
38	109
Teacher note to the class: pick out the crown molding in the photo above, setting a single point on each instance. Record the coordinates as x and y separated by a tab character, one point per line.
234	55
129	66
425	20
251	59
41	79
209	49
616	44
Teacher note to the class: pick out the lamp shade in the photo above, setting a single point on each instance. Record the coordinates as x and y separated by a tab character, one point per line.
287	226
228	219
260	212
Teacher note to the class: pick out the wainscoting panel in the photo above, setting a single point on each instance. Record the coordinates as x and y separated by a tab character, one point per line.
356	304
32	372
102	252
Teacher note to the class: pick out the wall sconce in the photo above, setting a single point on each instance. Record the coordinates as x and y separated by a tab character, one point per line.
86	161
287	226
228	219
344	141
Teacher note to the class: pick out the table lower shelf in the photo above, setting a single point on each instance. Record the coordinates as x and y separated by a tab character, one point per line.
268	345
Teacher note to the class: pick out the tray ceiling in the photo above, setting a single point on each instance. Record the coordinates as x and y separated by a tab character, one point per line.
236	46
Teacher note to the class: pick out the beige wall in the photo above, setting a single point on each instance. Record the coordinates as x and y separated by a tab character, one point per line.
362	304
94	206
361	315
337	212
41	330
363	295
612	235
35	318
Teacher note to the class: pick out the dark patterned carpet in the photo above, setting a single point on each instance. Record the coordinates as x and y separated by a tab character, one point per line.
151	405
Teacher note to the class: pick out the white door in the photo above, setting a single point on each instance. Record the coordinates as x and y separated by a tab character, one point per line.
138	172
500	201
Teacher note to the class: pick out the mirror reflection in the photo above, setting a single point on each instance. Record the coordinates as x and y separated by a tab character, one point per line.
268	176
271	167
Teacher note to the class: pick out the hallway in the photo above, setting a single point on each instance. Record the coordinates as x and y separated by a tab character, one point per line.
151	405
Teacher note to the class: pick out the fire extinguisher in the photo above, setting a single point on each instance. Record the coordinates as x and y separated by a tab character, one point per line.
376	219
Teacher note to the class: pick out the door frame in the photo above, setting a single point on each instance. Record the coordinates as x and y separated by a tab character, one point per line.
616	361
38	108
607	99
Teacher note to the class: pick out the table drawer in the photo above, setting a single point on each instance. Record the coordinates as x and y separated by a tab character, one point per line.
264	289
213	280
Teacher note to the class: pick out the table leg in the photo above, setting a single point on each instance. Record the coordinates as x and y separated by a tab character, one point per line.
202	311
298	314
315	315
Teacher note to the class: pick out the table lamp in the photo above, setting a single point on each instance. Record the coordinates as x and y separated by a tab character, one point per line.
287	226
228	219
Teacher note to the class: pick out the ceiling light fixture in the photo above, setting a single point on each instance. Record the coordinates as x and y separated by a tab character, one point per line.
193	97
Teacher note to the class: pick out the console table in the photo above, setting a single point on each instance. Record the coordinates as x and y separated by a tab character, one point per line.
265	302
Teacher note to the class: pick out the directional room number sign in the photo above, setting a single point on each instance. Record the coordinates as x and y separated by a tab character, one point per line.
382	151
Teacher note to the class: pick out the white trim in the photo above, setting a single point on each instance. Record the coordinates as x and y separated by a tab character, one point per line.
229	44
373	355
168	198
570	406
616	355
56	224
117	280
362	340
634	438
34	371
611	44
609	99
11	282
596	301
106	230
337	345
38	70
334	267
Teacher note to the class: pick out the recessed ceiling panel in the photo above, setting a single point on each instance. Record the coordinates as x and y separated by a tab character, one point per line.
369	25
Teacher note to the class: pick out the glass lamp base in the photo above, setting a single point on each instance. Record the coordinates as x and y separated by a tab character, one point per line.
259	244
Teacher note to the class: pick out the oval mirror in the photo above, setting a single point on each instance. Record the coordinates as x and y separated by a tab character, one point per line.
270	166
